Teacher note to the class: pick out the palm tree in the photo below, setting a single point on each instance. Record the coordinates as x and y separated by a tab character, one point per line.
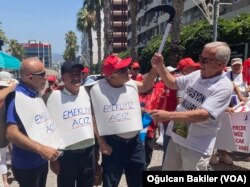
99	5
85	21
108	38
96	6
71	46
176	50
16	49
3	38
133	13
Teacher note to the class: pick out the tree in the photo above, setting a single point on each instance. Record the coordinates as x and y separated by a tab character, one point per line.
99	5
133	14
176	49
108	38
16	49
233	31
3	38
85	21
71	46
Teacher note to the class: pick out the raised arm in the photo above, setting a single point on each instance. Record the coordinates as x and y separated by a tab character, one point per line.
158	63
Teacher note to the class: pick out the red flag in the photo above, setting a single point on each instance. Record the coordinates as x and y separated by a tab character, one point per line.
246	71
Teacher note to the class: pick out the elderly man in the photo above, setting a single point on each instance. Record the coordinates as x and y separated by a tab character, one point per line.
118	115
70	109
236	76
195	123
29	157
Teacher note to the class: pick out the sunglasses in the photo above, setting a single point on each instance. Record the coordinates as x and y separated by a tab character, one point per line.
204	60
136	69
40	74
122	70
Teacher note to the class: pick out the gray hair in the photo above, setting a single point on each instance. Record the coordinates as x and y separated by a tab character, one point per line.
223	50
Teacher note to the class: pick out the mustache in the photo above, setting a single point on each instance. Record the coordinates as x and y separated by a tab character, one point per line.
75	81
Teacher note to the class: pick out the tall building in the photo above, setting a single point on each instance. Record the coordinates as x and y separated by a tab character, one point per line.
119	17
34	48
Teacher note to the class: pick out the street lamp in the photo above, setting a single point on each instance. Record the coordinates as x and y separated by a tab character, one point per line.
214	11
216	14
216	5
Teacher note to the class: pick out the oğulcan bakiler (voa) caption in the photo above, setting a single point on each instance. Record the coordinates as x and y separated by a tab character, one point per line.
188	178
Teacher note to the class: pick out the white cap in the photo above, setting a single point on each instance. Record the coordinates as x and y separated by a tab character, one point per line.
171	69
6	79
236	61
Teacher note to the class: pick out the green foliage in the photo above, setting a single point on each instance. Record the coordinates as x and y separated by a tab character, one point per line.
2	35
194	36
71	46
233	31
146	53
16	49
125	54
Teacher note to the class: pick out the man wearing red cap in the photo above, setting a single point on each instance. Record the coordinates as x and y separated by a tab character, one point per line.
52	84
118	115
135	75
85	78
187	65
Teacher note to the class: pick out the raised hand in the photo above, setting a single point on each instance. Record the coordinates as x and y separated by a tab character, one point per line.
157	60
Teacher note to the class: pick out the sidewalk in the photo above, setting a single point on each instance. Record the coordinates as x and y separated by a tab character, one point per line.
156	165
51	180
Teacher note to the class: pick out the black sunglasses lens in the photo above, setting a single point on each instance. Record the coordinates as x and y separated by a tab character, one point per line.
202	60
42	74
123	70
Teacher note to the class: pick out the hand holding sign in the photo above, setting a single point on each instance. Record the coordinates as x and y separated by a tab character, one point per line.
157	60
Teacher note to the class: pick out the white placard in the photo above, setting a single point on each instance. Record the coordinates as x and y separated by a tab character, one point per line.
117	110
234	133
72	116
36	120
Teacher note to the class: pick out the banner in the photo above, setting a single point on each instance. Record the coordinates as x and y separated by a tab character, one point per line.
234	134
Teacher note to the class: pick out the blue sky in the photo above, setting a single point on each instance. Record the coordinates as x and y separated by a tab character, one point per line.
46	21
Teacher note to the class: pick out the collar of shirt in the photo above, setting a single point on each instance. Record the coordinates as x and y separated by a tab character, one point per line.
26	90
213	79
65	91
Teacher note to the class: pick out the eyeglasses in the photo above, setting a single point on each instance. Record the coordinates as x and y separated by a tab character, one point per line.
135	69
204	60
122	70
40	74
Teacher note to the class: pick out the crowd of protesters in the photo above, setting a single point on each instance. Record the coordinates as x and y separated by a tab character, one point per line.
106	117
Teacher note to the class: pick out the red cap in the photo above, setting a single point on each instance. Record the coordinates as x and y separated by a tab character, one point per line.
186	62
135	65
51	78
85	70
112	63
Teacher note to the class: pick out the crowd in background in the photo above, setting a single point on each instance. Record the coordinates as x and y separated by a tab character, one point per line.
184	101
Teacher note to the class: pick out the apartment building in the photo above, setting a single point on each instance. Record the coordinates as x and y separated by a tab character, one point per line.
155	23
34	48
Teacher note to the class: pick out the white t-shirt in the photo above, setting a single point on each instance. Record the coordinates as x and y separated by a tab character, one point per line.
212	95
238	81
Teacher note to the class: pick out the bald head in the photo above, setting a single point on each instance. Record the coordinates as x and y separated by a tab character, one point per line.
32	73
31	65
